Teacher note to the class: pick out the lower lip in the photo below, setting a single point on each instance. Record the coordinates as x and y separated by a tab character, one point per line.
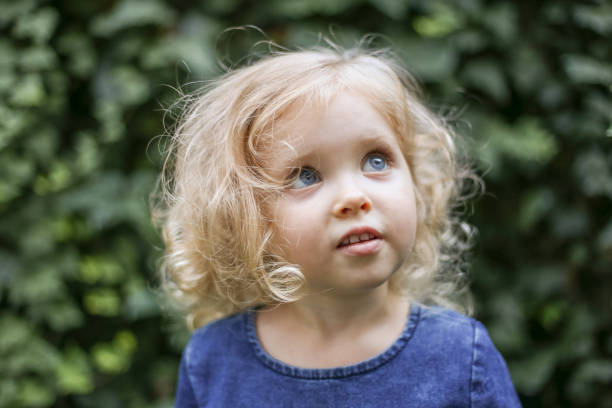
362	248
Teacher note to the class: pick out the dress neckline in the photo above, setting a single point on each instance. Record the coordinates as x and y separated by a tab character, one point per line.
335	372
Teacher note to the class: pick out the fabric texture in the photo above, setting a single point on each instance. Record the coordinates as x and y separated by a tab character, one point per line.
441	359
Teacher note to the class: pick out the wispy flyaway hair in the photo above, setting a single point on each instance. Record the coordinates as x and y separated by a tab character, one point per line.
211	195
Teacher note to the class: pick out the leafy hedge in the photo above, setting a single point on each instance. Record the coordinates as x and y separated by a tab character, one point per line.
81	86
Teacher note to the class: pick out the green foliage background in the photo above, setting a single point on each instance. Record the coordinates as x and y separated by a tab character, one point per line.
81	86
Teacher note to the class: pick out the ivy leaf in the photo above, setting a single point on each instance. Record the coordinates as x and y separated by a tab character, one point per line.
133	13
587	70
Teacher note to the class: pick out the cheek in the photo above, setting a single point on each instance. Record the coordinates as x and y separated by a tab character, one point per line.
295	234
403	217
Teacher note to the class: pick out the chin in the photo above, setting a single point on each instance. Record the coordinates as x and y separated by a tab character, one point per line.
366	284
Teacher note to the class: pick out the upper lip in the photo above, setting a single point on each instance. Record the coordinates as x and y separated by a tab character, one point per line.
359	231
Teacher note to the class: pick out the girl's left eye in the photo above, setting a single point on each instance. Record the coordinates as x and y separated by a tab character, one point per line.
375	162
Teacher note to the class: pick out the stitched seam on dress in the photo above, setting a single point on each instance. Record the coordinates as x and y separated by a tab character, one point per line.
269	362
187	367
472	367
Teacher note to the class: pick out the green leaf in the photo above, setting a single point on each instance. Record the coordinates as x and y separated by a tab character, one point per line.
133	13
58	178
123	85
589	374
428	59
64	315
74	373
529	70
194	44
18	170
442	20
8	392
12	123
42	145
140	301
552	313
34	393
37	58
527	141
587	70
103	302
487	76
10	267
304	8
125	341
597	18
32	356
395	9
109	114
108	359
103	269
534	205
12	10
14	333
604	239
115	357
592	170
547	280
36	286
39	26
570	223
531	373
81	52
87	154
501	19
470	40
28	92
36	239
9	55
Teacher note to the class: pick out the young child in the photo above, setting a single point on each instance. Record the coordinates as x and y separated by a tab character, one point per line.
308	207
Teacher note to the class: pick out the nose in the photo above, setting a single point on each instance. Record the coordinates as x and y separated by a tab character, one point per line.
351	203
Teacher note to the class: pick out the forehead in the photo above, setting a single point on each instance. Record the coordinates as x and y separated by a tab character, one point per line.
306	129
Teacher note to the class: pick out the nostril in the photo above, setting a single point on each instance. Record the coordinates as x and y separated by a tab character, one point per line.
365	206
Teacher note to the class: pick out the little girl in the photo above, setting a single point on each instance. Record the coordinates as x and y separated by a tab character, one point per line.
307	206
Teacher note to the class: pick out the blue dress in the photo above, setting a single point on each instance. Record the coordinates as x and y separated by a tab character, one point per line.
441	359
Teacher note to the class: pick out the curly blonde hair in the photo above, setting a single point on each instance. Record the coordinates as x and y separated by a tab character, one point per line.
210	195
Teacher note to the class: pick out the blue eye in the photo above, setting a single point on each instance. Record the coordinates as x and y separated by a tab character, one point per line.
375	162
307	177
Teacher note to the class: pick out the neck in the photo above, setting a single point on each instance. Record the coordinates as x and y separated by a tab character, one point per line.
330	313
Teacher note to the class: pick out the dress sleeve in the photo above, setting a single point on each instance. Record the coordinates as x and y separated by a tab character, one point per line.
490	385
185	397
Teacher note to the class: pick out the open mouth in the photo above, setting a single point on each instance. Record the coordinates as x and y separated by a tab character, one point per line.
362	241
357	238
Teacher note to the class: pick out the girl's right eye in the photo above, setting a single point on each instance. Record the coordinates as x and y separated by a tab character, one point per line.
306	177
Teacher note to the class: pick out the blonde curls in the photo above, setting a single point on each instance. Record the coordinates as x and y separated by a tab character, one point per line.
210	197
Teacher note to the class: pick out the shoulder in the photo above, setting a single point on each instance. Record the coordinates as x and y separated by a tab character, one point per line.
447	318
223	334
448	324
447	328
459	342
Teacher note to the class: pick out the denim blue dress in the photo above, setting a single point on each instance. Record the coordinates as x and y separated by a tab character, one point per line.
441	359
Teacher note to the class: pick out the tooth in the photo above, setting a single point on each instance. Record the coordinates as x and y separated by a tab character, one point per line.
371	236
353	239
345	242
364	237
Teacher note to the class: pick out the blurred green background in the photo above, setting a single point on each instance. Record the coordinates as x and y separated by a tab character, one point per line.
83	85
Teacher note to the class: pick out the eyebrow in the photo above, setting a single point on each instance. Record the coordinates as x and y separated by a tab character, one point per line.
288	162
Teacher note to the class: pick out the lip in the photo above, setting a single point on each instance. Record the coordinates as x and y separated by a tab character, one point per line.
361	248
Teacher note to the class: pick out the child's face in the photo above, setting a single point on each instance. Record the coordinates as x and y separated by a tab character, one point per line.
354	185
